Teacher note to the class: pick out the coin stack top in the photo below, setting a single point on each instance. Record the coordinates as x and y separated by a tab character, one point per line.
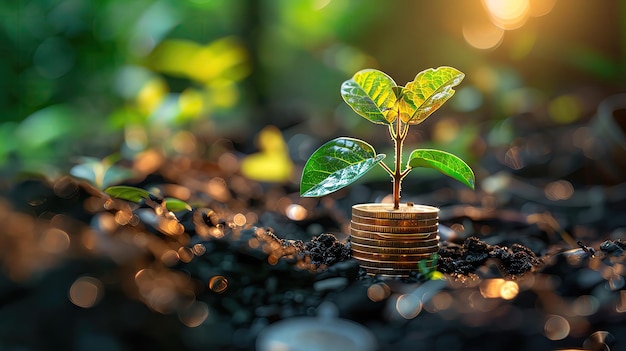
392	242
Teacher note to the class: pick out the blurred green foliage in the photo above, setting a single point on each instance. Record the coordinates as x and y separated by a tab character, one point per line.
75	74
89	78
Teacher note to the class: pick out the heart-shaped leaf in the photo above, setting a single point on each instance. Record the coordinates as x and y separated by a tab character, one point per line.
429	90
336	164
444	162
371	94
129	193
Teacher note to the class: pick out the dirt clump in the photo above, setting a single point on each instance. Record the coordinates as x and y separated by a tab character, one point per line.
467	258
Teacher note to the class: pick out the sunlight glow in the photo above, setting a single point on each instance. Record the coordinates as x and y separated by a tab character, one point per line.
499	288
540	8
296	212
508	14
483	36
509	290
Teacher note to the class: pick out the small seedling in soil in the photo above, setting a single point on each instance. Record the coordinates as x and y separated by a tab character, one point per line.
101	173
138	195
428	268
376	97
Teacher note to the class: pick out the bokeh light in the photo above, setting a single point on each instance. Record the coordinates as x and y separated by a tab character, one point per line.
296	212
585	305
176	102
556	327
86	292
239	219
565	109
55	241
540	8
559	190
408	306
218	284
195	314
378	292
508	14
499	288
483	35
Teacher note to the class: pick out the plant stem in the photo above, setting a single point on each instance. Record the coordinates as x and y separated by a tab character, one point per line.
398	139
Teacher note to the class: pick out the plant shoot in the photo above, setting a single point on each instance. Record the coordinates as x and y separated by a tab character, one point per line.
376	97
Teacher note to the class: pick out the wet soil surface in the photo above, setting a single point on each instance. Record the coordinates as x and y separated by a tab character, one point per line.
83	271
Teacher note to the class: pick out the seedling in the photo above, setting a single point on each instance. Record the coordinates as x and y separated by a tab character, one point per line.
428	268
133	194
101	173
375	96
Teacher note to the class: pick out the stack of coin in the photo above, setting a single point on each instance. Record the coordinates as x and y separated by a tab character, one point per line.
392	242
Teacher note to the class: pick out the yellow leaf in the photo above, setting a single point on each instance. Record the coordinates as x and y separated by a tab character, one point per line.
272	163
151	95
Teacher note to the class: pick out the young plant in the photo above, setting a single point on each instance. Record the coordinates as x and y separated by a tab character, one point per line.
428	268
133	194
375	96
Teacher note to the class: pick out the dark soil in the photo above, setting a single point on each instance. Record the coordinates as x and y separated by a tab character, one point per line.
83	271
212	284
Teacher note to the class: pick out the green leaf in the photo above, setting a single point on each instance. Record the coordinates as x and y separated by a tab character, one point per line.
128	193
371	94
337	164
101	173
176	205
428	268
444	162
429	90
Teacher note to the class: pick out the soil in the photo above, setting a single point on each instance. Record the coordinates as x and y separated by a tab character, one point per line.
81	270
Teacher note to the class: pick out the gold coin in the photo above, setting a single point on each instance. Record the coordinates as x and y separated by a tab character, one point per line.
394	230
384	259
394	243
407	266
379	270
387	275
386	211
387	236
395	222
395	249
391	269
420	236
391	273
390	257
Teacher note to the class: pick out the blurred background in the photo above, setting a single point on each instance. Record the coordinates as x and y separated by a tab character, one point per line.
89	79
221	102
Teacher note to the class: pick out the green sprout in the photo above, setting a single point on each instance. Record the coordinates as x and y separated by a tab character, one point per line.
428	268
375	96
134	194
